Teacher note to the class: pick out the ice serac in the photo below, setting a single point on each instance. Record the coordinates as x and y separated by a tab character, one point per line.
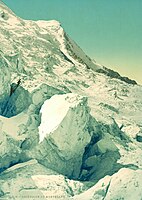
125	184
64	133
4	83
17	102
92	134
36	181
9	151
17	133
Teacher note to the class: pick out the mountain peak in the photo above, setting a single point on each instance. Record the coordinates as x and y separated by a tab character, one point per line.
43	23
7	17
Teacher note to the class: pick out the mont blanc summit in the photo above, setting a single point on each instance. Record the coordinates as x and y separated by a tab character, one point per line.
69	127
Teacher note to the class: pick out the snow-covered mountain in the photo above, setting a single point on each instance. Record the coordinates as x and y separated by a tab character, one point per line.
70	128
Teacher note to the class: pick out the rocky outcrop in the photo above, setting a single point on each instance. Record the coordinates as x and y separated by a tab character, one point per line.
139	135
113	74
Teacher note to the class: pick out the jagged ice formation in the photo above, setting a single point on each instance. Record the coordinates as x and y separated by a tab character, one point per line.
72	129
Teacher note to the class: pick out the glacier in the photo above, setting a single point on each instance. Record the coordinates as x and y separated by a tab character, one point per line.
72	129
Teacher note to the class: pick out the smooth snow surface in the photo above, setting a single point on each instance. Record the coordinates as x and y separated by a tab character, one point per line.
53	112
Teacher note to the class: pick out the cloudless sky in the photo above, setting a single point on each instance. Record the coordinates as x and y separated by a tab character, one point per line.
109	31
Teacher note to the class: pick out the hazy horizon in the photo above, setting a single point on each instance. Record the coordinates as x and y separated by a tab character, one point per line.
109	31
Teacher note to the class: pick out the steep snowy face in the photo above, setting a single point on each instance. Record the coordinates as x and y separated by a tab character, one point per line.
39	51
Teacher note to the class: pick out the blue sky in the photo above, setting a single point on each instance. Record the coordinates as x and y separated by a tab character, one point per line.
109	31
